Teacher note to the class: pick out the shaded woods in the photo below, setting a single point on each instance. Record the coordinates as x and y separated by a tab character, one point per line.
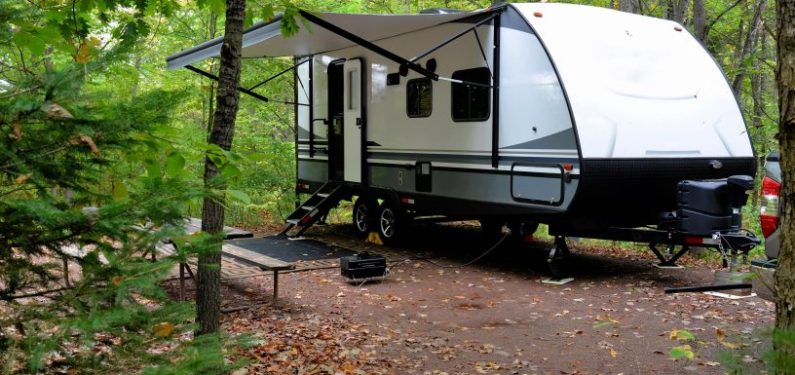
104	151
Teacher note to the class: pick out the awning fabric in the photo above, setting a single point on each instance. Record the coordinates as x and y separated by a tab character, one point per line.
265	39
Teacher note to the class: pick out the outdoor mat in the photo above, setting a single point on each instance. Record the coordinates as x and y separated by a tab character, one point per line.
283	249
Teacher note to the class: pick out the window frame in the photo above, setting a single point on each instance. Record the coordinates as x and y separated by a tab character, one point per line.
488	96
408	103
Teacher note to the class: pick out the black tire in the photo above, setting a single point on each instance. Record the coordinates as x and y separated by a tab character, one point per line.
491	228
391	223
363	214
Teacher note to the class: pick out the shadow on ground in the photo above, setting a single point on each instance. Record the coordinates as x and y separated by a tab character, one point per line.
455	244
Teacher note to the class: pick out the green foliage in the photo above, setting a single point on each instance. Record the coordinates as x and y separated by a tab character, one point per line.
85	165
89	118
778	359
682	352
770	345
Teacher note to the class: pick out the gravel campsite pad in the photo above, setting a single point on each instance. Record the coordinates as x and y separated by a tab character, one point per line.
496	316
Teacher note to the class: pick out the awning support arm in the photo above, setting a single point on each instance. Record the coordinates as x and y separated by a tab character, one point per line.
367	44
215	78
495	95
482	52
277	75
454	37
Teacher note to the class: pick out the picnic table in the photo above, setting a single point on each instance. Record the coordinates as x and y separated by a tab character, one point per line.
240	254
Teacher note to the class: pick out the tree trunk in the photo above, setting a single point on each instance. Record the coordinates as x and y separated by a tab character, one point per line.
785	77
208	288
700	21
630	6
757	130
212	29
738	47
753	34
677	10
137	66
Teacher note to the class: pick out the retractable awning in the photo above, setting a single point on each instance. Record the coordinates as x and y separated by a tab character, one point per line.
265	39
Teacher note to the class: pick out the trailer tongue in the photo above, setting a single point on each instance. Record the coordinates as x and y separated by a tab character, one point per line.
708	214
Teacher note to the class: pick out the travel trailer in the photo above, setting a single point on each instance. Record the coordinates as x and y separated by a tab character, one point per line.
596	122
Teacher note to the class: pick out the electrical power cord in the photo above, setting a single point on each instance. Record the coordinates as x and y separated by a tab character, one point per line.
450	266
434	263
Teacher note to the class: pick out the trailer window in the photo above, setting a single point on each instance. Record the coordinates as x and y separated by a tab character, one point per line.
419	97
471	103
353	90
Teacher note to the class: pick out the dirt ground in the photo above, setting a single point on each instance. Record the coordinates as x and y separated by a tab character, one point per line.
496	316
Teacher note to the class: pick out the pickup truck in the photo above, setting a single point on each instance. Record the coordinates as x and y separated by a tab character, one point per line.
769	211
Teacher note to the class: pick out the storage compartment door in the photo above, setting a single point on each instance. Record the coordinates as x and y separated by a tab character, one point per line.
537	183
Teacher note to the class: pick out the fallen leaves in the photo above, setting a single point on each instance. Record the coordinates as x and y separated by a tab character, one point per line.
721	335
421	322
681	335
604	322
307	344
486	367
683	351
163	329
116	280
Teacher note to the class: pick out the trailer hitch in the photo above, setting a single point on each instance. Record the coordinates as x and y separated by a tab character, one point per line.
738	242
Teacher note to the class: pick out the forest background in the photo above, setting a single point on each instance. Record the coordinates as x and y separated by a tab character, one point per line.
98	139
738	33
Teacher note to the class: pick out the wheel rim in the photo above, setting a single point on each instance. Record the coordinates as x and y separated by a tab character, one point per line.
361	218
388	223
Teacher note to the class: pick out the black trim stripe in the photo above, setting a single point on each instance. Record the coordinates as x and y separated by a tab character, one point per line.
473	170
311	106
462	158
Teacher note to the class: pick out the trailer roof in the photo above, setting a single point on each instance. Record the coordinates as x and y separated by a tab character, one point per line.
264	39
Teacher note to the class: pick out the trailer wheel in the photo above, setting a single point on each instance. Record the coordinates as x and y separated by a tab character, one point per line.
391	222
363	214
491	228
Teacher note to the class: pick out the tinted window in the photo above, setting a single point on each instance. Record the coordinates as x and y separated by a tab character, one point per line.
471	103
419	97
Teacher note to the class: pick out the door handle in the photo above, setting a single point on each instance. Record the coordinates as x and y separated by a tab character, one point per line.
359	121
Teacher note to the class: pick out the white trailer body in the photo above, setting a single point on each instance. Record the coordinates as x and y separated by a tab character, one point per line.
565	114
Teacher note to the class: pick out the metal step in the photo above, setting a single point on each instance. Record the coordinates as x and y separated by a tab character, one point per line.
314	208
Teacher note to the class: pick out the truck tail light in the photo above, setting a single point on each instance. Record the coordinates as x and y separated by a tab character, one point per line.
769	205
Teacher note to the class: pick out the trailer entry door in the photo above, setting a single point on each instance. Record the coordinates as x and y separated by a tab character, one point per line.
354	119
336	115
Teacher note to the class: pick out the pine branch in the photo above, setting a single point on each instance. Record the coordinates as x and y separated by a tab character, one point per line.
34	294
